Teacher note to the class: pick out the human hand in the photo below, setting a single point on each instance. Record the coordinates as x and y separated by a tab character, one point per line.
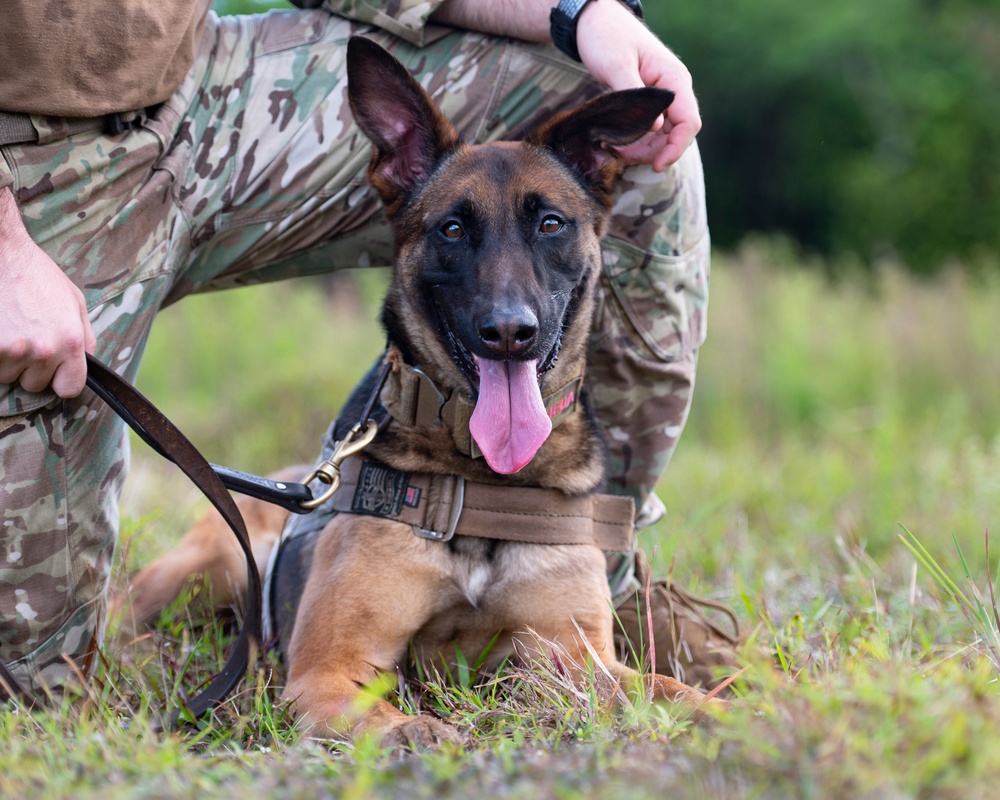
622	53
44	328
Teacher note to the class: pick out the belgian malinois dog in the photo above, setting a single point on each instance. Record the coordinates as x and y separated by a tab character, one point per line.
498	254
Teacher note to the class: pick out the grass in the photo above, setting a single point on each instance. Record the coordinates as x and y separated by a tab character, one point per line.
830	420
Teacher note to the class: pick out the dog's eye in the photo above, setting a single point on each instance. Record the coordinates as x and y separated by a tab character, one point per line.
551	224
453	230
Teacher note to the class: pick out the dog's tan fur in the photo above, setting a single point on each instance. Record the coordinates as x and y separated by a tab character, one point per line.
375	592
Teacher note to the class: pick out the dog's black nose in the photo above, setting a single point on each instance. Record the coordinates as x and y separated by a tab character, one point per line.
507	332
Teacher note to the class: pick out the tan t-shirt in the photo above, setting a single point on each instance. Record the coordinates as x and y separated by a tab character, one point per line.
86	58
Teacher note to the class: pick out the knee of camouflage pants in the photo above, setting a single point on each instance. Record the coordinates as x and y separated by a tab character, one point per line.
650	320
61	468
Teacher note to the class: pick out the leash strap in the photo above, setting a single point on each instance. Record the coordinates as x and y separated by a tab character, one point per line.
442	506
290	496
165	438
148	424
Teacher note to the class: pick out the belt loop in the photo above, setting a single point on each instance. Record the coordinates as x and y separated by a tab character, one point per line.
123	122
16	128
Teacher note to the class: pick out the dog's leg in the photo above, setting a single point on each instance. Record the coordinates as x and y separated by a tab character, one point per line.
370	590
207	549
575	655
572	616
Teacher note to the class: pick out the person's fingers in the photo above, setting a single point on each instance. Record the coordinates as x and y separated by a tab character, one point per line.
644	150
678	140
36	376
89	338
70	376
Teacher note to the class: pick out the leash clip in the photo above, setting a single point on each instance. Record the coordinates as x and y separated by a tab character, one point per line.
329	471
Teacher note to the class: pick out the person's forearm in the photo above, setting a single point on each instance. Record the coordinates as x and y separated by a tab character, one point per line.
521	19
12	232
44	326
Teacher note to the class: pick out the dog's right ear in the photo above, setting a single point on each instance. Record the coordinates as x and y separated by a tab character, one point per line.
586	138
410	135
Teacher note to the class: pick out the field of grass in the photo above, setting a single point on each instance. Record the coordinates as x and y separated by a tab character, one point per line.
830	419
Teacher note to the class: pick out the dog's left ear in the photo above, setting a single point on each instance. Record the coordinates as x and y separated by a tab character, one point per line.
585	137
410	135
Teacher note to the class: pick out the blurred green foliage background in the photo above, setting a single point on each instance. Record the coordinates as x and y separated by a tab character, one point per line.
861	130
856	127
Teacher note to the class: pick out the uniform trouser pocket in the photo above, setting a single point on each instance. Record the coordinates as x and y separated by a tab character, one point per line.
650	320
661	301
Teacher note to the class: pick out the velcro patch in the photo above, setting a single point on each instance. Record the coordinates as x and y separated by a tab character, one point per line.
381	491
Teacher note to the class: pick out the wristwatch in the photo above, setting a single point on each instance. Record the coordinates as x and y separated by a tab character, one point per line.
563	18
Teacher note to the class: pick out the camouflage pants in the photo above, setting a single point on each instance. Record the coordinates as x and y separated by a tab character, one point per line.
252	172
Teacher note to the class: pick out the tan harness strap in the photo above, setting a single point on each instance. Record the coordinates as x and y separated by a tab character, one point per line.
442	506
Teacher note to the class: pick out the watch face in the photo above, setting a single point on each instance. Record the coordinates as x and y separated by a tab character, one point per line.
571	8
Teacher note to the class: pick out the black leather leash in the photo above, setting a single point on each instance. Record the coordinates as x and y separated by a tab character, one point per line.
167	440
164	437
147	421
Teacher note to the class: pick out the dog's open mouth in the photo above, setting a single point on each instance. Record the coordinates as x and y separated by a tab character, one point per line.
509	422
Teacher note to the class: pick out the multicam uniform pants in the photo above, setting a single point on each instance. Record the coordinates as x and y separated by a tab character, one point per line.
252	172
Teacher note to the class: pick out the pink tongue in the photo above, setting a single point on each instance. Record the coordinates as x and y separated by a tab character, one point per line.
509	422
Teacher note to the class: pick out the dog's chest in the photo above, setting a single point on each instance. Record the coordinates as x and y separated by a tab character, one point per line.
475	567
472	580
485	573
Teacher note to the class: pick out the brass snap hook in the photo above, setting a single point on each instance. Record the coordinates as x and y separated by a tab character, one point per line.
329	471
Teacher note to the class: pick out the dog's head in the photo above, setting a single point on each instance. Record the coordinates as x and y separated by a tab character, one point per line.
498	245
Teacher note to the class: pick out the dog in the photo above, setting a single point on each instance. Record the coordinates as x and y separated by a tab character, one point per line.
490	302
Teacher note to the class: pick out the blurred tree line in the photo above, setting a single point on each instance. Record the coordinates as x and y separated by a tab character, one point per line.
862	127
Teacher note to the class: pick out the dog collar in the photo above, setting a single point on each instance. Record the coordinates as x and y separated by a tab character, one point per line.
413	399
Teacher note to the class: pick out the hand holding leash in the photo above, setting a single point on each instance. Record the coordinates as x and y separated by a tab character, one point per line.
45	330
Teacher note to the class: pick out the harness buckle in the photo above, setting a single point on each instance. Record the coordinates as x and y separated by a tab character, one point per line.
457	504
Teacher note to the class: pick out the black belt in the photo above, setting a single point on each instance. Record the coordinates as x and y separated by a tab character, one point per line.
18	128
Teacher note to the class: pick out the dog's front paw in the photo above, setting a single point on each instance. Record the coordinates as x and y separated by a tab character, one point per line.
421	733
